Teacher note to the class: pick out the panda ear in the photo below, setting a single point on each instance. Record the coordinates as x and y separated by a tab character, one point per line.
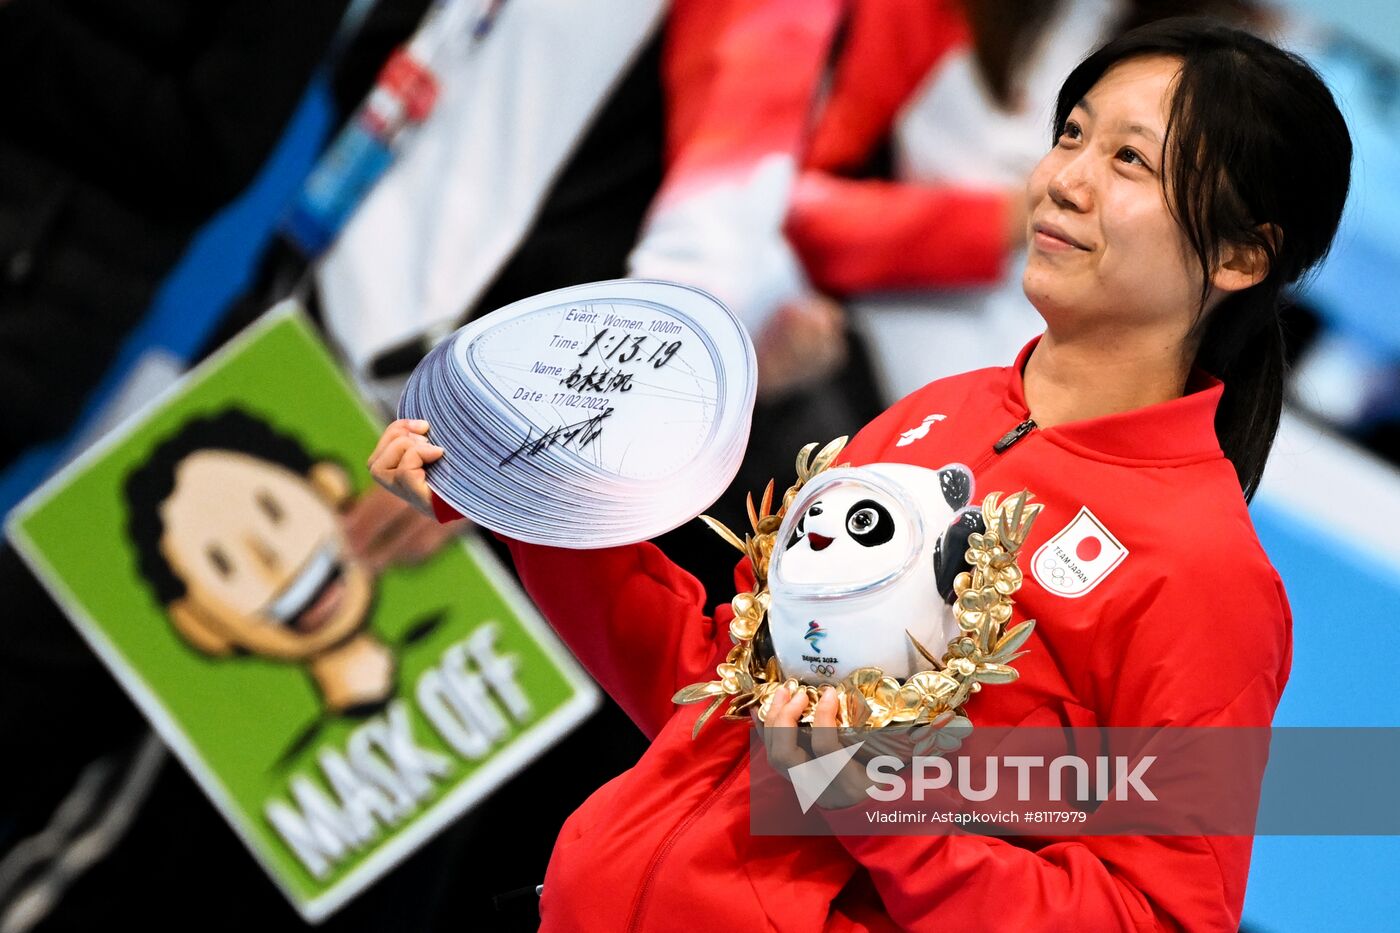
950	550
956	482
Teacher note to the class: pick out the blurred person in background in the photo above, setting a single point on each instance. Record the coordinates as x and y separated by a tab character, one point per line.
909	206
568	145
586	112
671	144
129	124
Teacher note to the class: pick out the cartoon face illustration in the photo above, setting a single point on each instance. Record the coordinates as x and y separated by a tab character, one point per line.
262	556
241	536
868	555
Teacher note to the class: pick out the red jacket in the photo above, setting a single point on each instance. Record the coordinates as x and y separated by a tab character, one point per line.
666	845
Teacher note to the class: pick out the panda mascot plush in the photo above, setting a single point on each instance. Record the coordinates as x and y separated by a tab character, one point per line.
865	558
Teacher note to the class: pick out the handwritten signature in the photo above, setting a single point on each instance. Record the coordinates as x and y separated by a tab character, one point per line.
579	433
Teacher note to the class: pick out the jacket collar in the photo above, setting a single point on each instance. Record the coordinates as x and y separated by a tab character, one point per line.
1175	431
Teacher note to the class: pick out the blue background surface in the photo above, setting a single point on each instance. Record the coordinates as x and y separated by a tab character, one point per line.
1341	677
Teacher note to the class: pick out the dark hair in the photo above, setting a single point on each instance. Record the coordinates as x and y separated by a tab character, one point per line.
151	484
1005	32
1253	138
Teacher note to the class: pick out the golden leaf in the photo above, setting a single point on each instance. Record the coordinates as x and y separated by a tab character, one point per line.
927	654
803	462
828	454
705	716
959	696
996	674
696	692
720	529
1014	638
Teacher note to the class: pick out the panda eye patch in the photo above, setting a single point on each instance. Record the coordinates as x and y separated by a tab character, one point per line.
798	531
869	523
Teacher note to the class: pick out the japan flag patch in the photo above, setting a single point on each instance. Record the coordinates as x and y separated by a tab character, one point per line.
1077	559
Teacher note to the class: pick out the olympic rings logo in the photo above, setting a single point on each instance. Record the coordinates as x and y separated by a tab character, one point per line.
825	670
1055	569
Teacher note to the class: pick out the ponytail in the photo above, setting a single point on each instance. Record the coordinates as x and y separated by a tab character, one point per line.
1252	368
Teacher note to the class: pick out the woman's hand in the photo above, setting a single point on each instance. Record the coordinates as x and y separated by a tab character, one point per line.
398	461
780	740
780	735
803	344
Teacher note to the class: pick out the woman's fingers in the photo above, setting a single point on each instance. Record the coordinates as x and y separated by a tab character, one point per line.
398	467
404	453
391	456
395	430
825	738
780	736
828	704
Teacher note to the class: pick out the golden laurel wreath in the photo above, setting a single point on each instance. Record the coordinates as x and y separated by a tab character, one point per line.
981	654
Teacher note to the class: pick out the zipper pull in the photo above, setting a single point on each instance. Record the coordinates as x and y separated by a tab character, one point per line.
1014	435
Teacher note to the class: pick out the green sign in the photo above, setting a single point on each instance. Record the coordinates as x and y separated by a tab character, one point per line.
337	712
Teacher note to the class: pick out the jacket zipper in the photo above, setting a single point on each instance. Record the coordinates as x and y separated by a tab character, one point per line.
634	922
1006	442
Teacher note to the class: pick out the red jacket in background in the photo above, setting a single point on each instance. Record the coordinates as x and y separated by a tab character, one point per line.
860	235
666	845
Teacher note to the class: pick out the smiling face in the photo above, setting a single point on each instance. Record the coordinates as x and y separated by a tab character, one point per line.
852	532
1105	251
263	559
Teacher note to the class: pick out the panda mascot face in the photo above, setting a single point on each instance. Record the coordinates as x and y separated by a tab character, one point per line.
865	557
